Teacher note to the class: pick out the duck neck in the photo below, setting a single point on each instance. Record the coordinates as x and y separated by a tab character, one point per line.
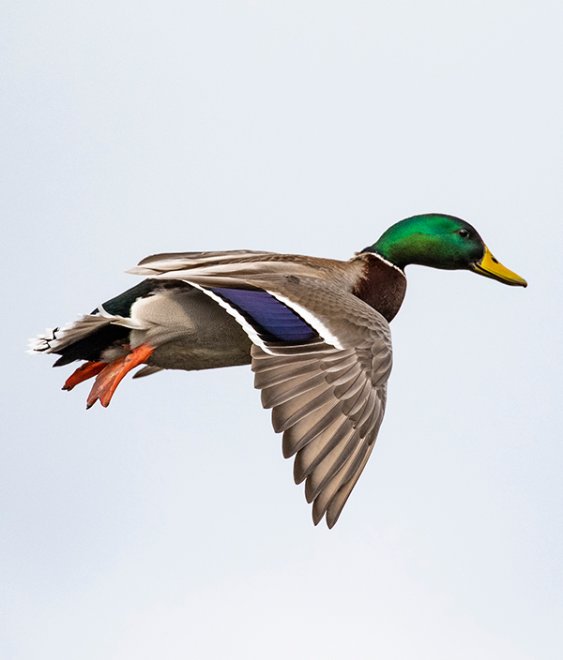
382	286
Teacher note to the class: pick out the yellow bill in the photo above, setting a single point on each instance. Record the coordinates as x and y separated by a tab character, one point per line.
491	267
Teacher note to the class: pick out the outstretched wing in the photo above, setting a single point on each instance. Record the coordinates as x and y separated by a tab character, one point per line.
328	400
321	358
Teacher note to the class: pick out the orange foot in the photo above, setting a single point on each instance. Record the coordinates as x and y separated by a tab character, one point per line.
87	370
113	373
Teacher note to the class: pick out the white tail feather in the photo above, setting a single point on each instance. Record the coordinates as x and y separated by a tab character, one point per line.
55	339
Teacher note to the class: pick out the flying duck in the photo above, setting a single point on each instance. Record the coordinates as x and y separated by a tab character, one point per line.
315	332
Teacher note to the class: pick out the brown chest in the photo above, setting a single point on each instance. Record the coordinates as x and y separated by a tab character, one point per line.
383	286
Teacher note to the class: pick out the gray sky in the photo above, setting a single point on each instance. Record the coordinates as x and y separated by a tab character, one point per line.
168	525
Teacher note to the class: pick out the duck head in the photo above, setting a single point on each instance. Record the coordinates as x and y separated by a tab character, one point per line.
441	241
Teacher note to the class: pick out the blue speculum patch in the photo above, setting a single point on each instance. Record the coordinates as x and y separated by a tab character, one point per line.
271	319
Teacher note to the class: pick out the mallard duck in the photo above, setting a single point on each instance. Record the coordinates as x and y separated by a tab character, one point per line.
315	331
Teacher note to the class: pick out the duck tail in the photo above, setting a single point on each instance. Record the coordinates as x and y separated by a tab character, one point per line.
55	340
85	339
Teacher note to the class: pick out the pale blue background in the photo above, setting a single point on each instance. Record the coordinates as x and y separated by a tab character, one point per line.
168	526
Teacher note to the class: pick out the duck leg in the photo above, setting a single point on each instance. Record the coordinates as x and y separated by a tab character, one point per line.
113	373
85	371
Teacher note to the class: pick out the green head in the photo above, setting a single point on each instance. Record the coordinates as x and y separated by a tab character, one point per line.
441	241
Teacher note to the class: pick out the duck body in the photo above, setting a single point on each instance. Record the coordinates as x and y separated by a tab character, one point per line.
190	331
315	332
187	329
206	339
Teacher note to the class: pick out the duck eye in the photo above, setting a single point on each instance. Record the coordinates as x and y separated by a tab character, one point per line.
463	233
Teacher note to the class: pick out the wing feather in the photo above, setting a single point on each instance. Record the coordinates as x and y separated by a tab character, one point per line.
331	464
313	452
323	499
288	413
306	430
275	395
334	509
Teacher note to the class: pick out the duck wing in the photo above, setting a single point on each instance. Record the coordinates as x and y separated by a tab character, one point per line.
328	395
